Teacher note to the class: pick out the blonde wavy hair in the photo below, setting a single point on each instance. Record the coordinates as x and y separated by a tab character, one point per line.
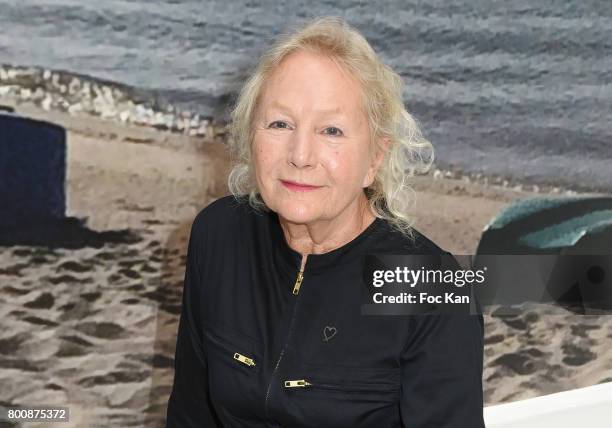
390	196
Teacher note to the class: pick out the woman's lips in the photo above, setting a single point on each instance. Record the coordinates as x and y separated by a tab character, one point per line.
291	185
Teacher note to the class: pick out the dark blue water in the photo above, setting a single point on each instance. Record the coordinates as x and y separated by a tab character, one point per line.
519	88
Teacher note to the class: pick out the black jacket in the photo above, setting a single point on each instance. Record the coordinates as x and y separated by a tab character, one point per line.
257	349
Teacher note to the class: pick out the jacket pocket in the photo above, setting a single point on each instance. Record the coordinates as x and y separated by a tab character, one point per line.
384	384
237	350
350	386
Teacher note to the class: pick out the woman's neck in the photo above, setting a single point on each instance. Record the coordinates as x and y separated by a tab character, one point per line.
326	235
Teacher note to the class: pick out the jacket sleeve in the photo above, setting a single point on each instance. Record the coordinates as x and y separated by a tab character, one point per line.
441	382
189	403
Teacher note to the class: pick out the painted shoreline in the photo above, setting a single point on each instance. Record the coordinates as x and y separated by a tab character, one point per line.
77	94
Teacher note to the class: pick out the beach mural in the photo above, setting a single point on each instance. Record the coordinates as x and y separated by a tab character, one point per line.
516	99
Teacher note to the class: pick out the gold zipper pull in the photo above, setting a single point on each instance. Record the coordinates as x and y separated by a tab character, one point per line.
298	280
296	383
245	360
298	283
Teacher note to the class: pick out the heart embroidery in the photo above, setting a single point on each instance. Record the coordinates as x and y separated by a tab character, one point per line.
328	333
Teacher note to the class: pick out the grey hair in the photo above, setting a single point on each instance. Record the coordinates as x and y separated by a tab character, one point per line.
390	196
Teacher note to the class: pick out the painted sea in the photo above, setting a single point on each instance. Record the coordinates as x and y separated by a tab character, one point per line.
520	89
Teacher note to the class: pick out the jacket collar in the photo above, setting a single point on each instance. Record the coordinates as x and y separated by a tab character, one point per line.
317	263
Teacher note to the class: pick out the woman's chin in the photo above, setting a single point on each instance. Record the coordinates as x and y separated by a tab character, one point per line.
297	213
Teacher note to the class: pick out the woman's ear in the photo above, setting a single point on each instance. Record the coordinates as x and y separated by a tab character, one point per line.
382	147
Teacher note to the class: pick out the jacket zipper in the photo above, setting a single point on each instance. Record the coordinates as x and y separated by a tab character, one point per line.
354	387
296	383
296	290
237	355
298	282
244	360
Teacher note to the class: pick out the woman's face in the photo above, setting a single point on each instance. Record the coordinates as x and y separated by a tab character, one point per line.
310	129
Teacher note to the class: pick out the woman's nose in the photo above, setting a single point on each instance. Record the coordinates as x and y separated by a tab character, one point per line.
302	148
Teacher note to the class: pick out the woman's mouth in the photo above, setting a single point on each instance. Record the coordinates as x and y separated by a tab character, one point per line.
299	187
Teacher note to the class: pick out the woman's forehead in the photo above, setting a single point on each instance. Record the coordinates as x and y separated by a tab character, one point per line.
297	93
334	110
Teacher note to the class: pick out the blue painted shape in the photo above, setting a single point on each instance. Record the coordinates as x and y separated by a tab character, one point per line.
522	208
567	233
32	170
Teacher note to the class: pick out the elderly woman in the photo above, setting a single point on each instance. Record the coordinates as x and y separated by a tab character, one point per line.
271	333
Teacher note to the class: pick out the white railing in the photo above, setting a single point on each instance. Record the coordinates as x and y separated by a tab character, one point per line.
589	407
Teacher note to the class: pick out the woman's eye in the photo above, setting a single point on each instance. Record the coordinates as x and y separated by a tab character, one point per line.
337	131
279	122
